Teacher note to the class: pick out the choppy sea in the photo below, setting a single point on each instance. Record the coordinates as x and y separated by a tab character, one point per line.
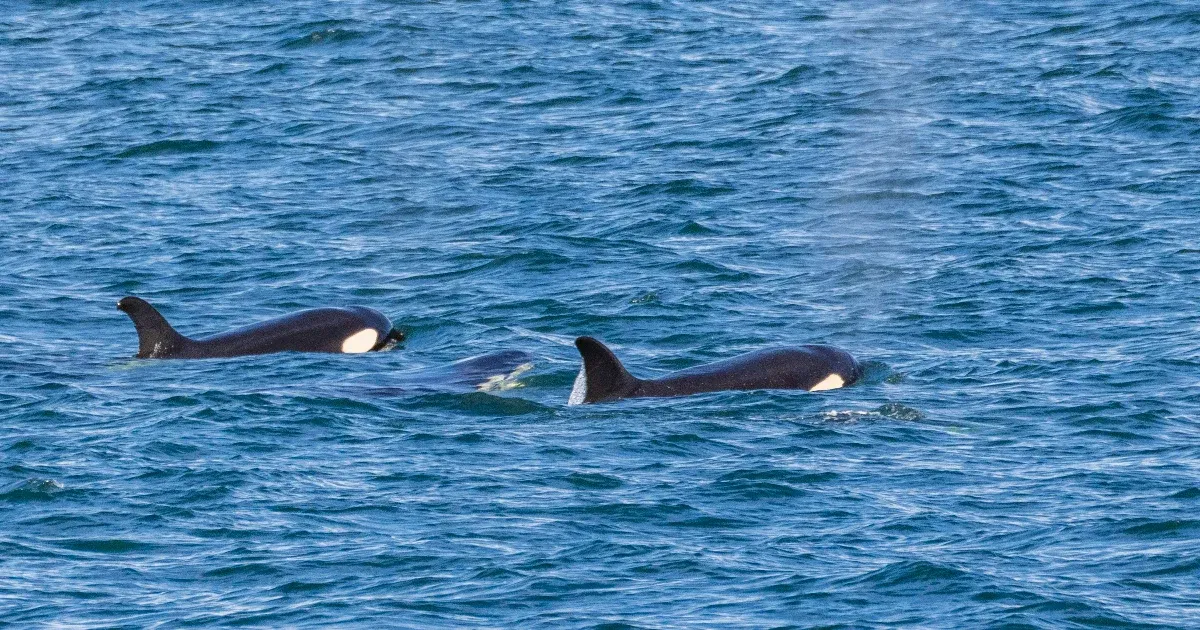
994	205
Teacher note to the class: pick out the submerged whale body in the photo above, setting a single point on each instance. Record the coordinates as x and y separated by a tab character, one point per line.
496	371
344	330
812	368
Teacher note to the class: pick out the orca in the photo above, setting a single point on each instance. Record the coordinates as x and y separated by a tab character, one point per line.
492	372
496	371
602	378
351	330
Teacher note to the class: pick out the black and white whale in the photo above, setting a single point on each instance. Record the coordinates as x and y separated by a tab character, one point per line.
352	329
813	368
494	372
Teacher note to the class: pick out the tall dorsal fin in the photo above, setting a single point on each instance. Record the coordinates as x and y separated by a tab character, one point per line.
156	338
602	375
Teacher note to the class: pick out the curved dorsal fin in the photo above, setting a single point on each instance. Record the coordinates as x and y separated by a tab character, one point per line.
156	338
602	375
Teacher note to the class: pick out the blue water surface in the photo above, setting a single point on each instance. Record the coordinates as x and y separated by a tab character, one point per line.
992	204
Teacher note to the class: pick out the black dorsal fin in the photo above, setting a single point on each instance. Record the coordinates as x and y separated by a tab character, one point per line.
156	338
603	376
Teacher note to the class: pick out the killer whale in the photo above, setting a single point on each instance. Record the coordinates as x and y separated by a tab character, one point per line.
814	368
352	329
494	372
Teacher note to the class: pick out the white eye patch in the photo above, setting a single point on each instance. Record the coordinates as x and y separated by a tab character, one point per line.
361	341
833	381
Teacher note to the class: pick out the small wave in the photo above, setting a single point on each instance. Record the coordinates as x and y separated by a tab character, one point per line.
106	545
1141	119
1095	308
897	411
481	403
120	84
558	101
685	444
170	147
793	76
711	522
580	160
593	481
877	372
338	404
303	587
890	411
537	260
636	512
1112	434
755	489
1185	567
279	67
31	490
693	228
785	476
473	437
249	568
718	271
1163	528
846	416
878	196
917	576
686	187
324	36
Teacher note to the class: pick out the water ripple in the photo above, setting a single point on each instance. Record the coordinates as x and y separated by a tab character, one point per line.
992	205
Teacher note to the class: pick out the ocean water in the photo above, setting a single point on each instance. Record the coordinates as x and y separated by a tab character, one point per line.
995	205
